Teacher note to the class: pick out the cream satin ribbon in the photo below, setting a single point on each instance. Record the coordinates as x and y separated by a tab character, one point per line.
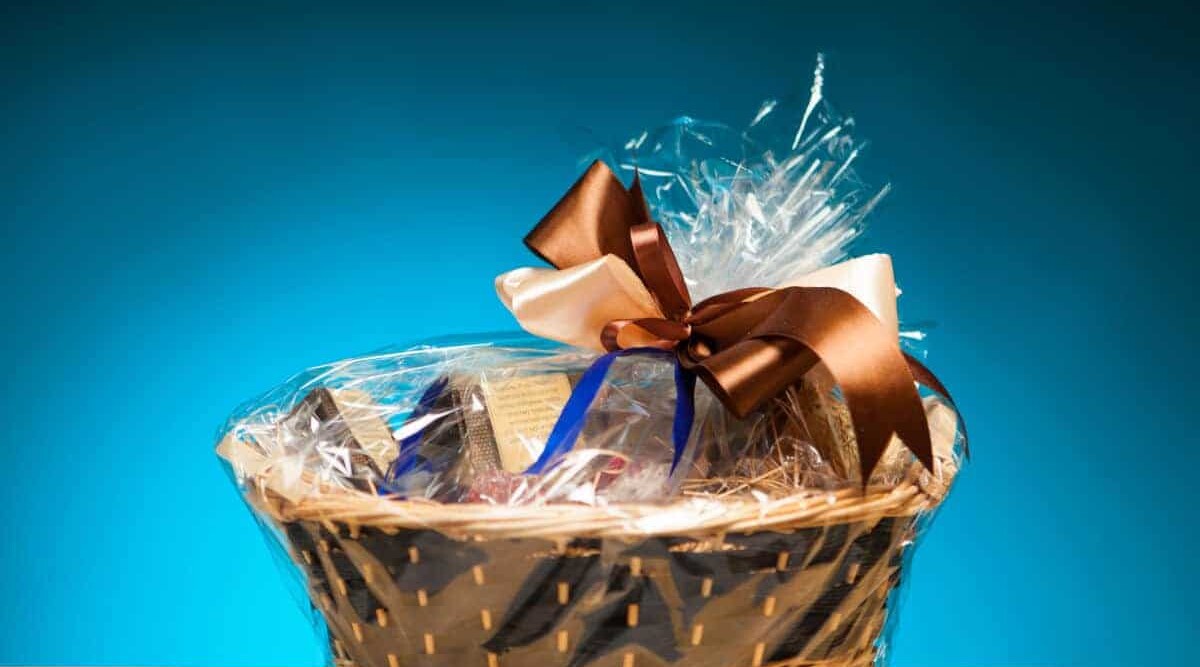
572	305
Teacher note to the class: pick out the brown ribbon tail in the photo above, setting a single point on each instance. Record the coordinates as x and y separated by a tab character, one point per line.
592	220
923	375
770	342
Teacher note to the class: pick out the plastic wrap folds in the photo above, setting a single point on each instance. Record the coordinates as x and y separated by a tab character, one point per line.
724	459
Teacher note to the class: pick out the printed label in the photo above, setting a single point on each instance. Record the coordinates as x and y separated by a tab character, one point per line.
523	411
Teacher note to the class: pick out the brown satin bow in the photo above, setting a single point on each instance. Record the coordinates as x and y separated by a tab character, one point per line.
747	345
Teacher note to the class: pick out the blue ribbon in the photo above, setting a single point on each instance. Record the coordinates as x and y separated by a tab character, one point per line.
570	421
405	460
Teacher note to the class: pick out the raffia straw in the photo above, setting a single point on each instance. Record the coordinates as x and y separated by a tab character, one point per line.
683	516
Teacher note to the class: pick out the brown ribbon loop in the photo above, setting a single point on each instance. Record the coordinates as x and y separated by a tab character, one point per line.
590	221
747	345
659	270
794	328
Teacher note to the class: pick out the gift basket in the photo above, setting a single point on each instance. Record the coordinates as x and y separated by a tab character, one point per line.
709	447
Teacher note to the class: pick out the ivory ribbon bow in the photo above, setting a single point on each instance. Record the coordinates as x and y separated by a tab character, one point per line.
617	286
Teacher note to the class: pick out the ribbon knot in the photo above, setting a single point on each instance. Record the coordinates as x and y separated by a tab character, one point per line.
619	284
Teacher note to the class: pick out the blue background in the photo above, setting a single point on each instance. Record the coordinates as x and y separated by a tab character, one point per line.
199	200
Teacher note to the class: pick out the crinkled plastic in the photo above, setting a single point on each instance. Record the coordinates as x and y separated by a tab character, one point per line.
513	421
461	420
757	205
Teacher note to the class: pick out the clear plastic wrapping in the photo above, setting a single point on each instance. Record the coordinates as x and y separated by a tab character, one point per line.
757	205
621	511
463	421
670	587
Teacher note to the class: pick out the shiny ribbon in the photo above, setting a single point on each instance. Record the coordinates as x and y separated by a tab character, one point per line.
619	287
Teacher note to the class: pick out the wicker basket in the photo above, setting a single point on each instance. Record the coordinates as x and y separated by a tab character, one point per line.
802	581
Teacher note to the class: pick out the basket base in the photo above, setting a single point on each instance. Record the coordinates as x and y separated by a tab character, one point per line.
814	597
865	661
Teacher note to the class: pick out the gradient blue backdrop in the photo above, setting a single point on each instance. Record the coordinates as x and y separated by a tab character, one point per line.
199	200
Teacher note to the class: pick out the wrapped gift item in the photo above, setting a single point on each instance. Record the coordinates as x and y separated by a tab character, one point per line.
350	422
479	432
471	423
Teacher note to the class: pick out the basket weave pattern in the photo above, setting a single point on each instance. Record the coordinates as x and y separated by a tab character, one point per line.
807	585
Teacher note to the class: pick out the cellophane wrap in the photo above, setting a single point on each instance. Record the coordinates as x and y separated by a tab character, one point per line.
467	420
462	420
756	205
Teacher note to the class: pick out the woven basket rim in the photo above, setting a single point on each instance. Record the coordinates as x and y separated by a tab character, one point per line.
686	516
